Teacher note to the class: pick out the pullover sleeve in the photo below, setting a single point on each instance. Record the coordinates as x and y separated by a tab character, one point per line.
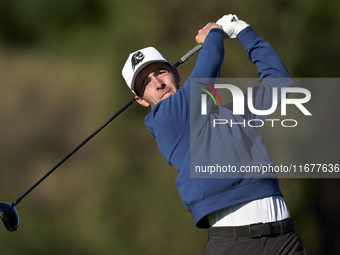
174	112
271	69
169	120
207	71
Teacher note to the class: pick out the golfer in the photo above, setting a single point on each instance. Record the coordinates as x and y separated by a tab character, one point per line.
244	215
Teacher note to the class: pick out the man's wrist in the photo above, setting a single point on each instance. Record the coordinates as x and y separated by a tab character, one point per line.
247	36
218	31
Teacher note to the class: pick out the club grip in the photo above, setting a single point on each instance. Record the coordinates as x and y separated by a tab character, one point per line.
192	52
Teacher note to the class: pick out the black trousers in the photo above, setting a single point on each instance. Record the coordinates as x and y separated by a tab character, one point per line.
287	244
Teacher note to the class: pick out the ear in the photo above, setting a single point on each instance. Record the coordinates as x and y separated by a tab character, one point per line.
177	77
141	101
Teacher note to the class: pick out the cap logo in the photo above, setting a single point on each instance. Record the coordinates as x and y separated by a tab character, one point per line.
136	59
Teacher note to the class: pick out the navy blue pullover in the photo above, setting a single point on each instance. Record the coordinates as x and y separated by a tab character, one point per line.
169	122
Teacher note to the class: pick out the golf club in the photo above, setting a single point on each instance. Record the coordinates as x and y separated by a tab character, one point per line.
8	213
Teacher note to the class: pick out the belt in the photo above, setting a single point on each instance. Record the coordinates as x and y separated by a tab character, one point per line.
255	230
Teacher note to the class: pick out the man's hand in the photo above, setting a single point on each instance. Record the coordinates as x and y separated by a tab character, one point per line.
231	25
202	33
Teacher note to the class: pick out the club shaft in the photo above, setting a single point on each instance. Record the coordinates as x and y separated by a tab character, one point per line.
76	149
188	55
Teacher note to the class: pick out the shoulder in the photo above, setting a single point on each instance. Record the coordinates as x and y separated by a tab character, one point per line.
171	113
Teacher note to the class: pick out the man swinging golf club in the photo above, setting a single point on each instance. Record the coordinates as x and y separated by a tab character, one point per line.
244	215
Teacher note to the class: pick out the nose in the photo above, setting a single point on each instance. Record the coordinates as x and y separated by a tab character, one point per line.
158	83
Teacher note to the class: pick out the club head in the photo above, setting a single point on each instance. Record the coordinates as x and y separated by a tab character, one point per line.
9	216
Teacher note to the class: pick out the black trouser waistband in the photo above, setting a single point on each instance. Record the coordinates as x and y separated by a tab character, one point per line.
255	230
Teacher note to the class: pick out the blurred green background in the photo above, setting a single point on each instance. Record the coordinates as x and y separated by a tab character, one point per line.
60	65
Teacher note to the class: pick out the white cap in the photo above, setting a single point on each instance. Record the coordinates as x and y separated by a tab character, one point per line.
137	61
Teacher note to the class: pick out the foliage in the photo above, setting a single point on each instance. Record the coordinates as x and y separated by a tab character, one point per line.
61	78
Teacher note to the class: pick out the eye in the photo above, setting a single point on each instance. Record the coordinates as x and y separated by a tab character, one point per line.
146	83
162	71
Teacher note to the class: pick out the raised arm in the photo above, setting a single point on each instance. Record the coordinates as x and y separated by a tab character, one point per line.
269	65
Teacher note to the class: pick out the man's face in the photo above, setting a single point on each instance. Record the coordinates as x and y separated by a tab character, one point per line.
155	83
